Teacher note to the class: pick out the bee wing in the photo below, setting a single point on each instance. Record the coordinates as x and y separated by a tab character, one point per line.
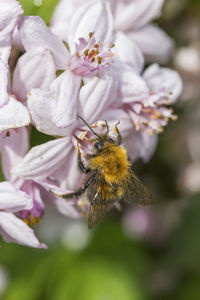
97	213
136	192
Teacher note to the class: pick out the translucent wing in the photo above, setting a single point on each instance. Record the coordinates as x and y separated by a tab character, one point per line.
97	213
136	192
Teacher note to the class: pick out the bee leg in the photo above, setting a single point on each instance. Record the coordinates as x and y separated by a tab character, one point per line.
80	163
119	138
107	127
81	191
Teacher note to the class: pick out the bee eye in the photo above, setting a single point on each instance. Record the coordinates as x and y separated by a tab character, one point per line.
111	141
99	145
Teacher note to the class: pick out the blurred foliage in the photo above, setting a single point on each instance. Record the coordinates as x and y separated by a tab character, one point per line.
109	268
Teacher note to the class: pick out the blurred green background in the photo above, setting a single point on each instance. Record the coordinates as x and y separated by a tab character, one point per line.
141	254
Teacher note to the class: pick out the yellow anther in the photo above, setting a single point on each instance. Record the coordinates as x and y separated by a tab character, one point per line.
86	52
99	60
90	34
112	45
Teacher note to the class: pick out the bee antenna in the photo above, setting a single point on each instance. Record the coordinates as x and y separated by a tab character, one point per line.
88	126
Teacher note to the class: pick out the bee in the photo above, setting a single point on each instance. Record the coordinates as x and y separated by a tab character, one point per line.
112	178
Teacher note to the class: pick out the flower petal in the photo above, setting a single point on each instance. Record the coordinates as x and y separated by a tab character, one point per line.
15	230
135	14
13	200
33	70
96	95
9	15
65	88
13	148
128	52
35	34
133	87
40	101
154	43
4	84
93	16
13	115
159	78
43	160
141	145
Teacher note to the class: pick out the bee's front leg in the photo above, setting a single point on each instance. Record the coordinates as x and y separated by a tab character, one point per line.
119	138
80	163
81	191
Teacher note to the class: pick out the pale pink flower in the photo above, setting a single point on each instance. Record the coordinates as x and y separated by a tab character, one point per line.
35	35
12	228
13	147
133	17
10	12
146	96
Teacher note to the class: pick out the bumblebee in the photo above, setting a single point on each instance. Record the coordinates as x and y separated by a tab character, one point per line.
112	178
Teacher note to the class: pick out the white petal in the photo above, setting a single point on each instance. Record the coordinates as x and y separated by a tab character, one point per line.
66	88
93	16
13	200
13	115
135	14
15	230
128	52
157	77
9	15
96	95
34	70
13	148
40	101
35	34
141	145
4	83
154	43
133	87
43	160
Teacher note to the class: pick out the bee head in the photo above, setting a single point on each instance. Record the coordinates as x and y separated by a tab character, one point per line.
99	145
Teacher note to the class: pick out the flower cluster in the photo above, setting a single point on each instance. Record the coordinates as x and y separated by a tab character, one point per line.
90	61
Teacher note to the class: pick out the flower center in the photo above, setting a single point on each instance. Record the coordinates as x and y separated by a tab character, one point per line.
153	114
91	56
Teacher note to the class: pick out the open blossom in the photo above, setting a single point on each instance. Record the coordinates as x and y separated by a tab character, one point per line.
91	56
133	17
12	228
35	34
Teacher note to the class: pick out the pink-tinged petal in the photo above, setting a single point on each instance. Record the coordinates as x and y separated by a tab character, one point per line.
69	175
34	70
14	230
61	17
93	16
65	89
13	200
13	148
43	160
4	83
154	43
17	40
164	79
135	14
9	16
13	115
35	34
40	101
34	191
96	95
66	207
141	145
128	52
132	87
